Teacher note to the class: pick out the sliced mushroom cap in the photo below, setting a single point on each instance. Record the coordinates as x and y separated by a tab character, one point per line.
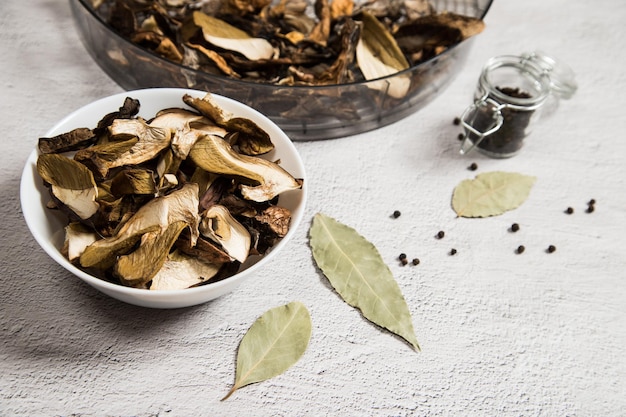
219	225
186	127
175	118
156	215
214	154
71	182
226	36
378	55
140	142
140	266
133	181
251	138
181	271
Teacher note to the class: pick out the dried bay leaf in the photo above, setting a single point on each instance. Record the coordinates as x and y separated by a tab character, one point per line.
357	272
491	194
274	342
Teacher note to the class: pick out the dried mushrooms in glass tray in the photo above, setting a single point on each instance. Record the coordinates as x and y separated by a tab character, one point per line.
319	70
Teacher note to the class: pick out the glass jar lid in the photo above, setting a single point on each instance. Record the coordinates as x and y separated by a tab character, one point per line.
562	78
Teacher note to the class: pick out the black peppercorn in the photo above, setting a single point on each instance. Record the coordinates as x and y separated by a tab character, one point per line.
514	227
461	136
551	248
402	256
473	166
440	234
416	261
569	210
591	208
520	249
396	214
452	251
591	202
456	121
404	261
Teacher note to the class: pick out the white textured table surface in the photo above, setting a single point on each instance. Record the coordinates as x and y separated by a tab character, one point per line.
502	334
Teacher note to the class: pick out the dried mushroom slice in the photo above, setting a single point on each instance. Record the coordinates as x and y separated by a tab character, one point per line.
251	139
185	138
216	58
129	109
294	15
431	35
219	225
223	35
341	8
70	182
70	141
174	118
77	238
214	154
138	142
276	218
349	33
155	215
140	266
112	214
203	249
321	30
378	56
181	271
162	45
134	181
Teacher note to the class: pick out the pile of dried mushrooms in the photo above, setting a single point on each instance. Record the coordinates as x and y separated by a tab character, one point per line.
291	42
167	203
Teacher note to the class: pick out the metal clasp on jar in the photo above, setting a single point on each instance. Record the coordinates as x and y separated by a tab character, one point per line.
486	117
479	123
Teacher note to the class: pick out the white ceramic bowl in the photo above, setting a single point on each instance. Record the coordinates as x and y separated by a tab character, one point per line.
47	225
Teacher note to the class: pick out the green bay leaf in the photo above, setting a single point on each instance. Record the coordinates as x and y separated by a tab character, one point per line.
356	270
491	194
274	342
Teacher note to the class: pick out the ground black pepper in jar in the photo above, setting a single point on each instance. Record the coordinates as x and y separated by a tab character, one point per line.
510	94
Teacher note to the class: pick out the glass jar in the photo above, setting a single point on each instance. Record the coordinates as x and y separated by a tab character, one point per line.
511	93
